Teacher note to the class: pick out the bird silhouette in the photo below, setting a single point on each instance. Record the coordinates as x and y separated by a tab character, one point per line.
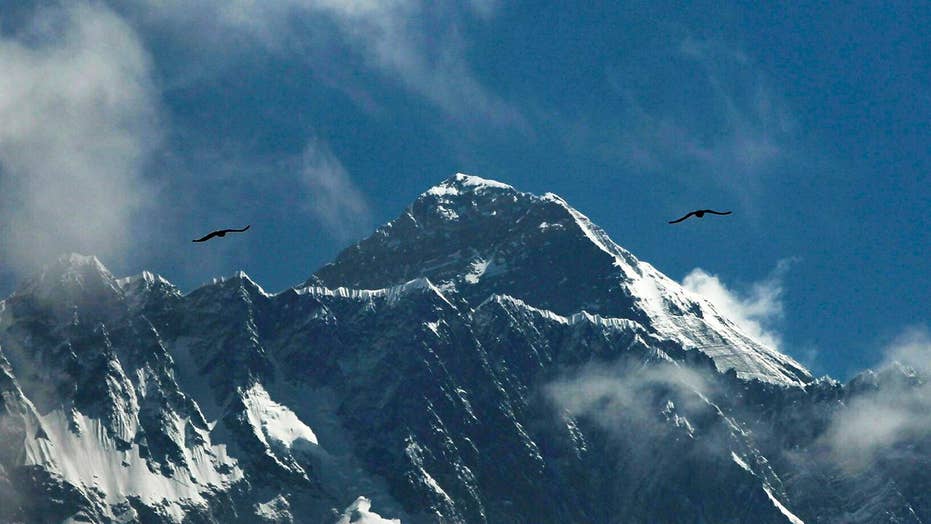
220	233
700	213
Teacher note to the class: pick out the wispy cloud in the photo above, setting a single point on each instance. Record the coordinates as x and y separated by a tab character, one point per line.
724	122
484	8
757	309
898	411
78	119
416	44
333	197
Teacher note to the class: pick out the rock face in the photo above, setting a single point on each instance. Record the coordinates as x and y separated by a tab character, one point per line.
488	356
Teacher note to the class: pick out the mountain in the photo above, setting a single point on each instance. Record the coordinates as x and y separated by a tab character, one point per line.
488	356
482	238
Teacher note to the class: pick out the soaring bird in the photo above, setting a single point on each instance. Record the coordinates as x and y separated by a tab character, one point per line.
700	213
220	233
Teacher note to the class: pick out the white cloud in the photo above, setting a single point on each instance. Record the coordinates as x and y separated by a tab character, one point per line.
898	411
616	398
333	197
78	119
757	310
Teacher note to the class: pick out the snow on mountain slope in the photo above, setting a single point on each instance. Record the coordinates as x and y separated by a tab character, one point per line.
359	512
109	421
90	459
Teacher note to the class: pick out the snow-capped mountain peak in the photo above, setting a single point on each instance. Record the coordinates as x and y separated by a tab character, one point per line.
482	237
71	271
462	183
74	281
146	277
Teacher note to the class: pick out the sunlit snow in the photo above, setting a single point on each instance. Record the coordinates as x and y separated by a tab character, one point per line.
279	425
360	512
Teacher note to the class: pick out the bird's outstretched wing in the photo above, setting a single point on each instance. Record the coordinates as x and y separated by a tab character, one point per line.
207	237
238	230
713	212
681	219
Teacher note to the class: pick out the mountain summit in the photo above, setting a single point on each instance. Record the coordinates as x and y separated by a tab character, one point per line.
482	237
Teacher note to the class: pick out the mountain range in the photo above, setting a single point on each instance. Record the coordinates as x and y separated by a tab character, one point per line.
489	356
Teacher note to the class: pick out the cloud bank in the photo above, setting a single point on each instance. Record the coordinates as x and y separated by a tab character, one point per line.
78	119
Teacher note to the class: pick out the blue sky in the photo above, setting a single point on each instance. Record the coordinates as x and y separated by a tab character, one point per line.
128	128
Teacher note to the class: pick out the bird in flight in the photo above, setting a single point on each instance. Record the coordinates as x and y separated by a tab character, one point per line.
220	233
700	213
